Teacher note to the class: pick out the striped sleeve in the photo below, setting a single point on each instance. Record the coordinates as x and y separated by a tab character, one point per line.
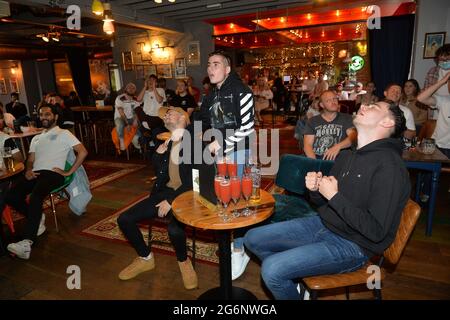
246	114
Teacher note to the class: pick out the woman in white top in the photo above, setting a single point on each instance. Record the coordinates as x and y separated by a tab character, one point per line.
262	94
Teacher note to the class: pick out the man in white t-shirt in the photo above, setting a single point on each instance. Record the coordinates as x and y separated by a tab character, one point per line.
153	98
393	92
358	90
429	97
45	171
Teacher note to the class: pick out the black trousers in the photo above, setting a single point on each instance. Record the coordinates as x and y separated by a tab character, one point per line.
146	209
38	189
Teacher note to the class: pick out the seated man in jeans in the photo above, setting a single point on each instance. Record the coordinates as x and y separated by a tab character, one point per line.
363	197
173	178
125	117
44	172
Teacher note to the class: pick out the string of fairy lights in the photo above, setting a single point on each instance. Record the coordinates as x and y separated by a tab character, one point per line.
316	54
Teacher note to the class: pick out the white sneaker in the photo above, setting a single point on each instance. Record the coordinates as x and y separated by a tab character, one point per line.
239	261
21	249
42	227
306	295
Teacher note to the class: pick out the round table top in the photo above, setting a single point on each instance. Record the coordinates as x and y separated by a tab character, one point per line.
18	168
188	209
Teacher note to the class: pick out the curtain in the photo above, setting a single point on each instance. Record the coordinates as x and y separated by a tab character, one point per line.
390	50
77	58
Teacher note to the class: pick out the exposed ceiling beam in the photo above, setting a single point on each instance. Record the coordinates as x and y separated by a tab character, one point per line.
236	12
200	4
122	14
233	8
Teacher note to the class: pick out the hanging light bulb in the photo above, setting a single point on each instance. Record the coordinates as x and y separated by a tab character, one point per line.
97	7
172	1
158	1
45	38
108	27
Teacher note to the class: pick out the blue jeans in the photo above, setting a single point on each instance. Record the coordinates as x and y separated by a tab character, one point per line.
120	125
300	248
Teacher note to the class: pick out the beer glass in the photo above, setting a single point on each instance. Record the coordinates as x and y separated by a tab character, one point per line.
8	159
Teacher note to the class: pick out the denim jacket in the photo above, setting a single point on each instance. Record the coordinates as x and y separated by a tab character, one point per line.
79	189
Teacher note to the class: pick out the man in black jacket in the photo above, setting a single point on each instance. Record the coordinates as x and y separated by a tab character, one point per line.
173	178
17	109
228	107
229	110
363	198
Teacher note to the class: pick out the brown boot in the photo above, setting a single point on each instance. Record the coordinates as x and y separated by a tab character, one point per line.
190	280
138	266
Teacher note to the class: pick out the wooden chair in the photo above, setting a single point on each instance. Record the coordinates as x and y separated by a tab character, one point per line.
392	255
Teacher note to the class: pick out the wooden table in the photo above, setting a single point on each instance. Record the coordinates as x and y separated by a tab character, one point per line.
414	159
188	209
18	168
23	135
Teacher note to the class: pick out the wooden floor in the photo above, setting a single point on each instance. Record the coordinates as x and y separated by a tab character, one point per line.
423	271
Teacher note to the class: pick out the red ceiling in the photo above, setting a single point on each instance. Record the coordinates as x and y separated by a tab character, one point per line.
335	21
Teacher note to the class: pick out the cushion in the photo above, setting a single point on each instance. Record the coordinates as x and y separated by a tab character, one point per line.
288	207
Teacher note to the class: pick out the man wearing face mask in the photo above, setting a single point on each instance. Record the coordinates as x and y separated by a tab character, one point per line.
430	97
437	72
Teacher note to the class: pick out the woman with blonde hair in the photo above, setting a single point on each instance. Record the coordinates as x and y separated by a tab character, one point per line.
262	94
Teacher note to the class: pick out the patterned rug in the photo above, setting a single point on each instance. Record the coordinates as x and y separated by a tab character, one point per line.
99	173
206	246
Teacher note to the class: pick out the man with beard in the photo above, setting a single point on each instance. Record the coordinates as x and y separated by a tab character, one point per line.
44	172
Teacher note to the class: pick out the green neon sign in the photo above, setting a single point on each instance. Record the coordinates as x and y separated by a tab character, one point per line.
356	64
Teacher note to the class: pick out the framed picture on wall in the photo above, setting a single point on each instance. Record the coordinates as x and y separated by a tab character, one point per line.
433	41
149	70
127	60
140	72
3	89
146	55
180	68
14	85
193	53
164	71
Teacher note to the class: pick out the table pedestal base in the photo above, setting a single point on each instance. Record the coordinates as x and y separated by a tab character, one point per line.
236	294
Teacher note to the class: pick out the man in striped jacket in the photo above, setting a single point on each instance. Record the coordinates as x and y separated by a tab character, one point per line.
229	109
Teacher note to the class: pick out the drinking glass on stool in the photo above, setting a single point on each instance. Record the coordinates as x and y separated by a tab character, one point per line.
225	196
8	159
428	146
235	194
247	185
217	180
